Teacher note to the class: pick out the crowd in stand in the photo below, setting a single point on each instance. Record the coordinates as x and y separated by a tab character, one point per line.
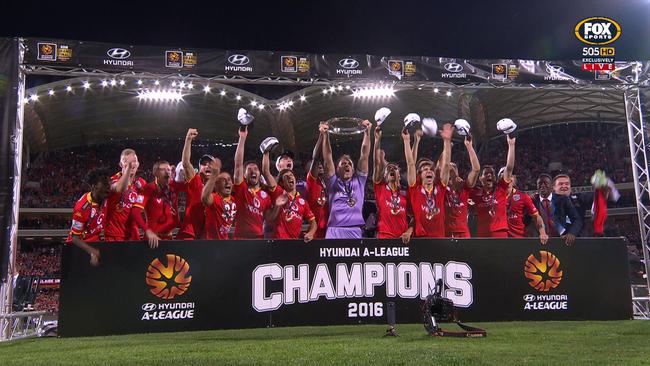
39	260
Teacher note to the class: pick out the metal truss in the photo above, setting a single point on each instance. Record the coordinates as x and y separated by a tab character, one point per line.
638	135
23	324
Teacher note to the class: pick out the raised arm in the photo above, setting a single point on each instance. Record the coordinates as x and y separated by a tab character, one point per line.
239	156
378	162
122	184
208	188
417	136
472	177
330	169
187	154
410	161
317	154
266	171
362	165
510	161
446	133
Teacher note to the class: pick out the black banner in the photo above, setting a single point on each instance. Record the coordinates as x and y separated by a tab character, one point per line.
8	103
243	284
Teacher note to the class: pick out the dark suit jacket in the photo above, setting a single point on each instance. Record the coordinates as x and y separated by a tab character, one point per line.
565	216
582	202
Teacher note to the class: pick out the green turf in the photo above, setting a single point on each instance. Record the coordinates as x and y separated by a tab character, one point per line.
508	343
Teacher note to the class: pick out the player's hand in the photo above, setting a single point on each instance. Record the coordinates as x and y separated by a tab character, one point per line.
418	134
405	135
323	127
406	237
191	134
377	134
543	237
569	239
94	256
282	199
152	238
243	132
366	124
215	165
468	141
447	131
308	237
511	141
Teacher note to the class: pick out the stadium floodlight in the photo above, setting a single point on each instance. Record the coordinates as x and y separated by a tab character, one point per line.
374	92
68	88
181	84
254	103
449	94
33	97
113	82
104	83
340	87
86	85
222	93
122	82
206	88
238	97
160	95
190	86
303	98
261	106
156	82
139	82
332	89
290	103
347	87
436	90
50	92
325	91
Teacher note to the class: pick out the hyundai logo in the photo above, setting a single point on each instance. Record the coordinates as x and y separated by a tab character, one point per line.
554	69
118	53
239	60
529	297
148	307
453	67
349	63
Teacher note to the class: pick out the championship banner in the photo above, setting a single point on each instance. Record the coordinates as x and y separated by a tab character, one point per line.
197	285
8	111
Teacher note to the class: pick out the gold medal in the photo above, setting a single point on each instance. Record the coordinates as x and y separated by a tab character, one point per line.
321	201
351	201
429	216
394	211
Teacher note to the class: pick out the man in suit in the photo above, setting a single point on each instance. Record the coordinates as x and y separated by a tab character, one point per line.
559	215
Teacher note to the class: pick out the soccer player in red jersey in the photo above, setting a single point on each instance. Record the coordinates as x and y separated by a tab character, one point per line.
220	206
88	215
491	200
316	191
427	198
520	204
392	221
253	203
161	200
457	195
193	222
122	221
290	208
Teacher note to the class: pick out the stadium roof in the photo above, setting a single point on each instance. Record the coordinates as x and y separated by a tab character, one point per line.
85	116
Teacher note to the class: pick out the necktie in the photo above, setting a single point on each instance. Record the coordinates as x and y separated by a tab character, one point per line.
550	228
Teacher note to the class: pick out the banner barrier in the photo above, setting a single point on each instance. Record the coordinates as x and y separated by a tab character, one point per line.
336	67
198	285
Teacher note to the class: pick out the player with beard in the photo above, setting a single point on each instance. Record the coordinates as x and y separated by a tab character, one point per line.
125	194
89	213
161	200
392	221
491	200
290	209
192	226
316	190
253	203
345	189
519	205
427	197
220	206
457	195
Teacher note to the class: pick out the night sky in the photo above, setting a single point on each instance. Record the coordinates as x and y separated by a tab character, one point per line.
484	29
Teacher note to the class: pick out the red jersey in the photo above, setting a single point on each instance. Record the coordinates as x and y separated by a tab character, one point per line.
161	207
496	202
428	210
391	210
517	204
288	224
317	199
456	212
251	203
219	217
87	219
119	226
192	227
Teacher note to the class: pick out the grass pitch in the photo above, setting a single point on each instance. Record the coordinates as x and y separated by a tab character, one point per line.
507	343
